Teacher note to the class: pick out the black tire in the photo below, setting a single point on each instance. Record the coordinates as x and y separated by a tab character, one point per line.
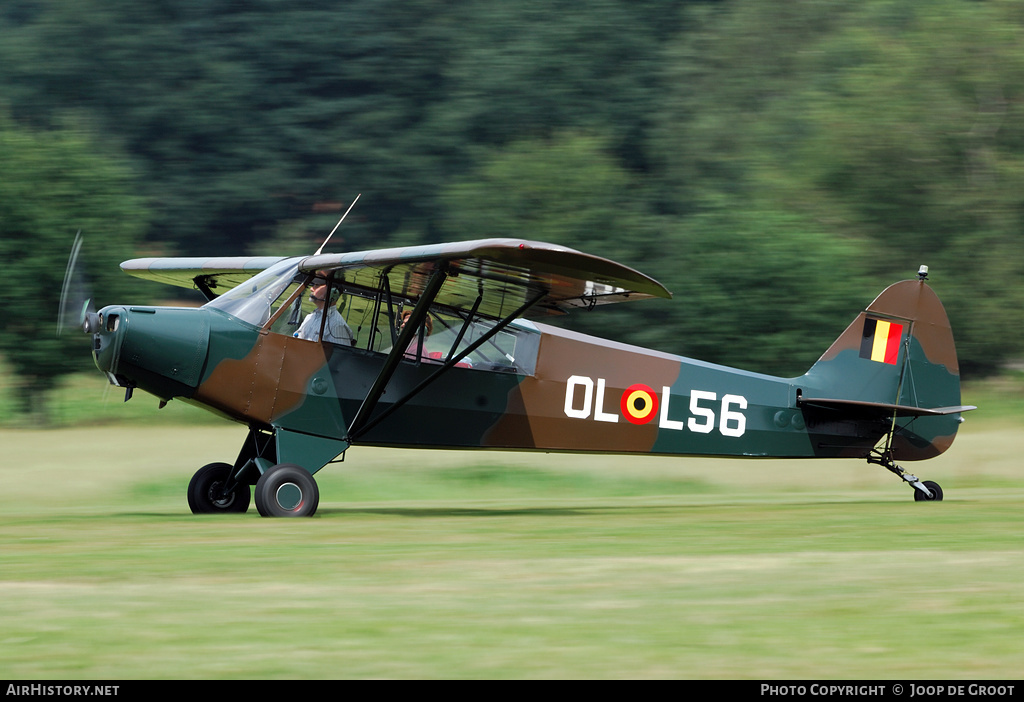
204	491
287	490
936	492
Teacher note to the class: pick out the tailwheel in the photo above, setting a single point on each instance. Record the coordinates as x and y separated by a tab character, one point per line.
933	488
287	490
924	491
212	490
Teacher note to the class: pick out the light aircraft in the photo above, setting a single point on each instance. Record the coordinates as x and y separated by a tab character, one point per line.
474	368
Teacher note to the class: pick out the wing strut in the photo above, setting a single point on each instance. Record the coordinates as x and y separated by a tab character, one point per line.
419	314
358	429
465	326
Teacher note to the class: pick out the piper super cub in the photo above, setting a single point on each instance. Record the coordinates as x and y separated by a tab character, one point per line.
438	347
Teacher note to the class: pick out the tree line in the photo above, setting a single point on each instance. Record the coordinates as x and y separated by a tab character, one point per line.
773	164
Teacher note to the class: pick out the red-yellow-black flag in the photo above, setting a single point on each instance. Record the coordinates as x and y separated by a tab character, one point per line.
881	340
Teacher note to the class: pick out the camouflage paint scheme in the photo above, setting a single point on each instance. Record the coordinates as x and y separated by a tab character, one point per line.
574	393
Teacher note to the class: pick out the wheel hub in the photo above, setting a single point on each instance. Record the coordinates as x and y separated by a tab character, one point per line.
218	497
289	496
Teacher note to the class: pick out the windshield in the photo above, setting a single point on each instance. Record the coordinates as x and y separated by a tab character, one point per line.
252	301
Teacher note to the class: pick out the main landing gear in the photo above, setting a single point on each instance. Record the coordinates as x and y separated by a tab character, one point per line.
284	490
924	491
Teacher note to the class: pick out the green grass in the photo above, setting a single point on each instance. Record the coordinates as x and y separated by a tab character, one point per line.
479	565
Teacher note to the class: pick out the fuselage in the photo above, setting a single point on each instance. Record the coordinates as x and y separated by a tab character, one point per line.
565	392
530	387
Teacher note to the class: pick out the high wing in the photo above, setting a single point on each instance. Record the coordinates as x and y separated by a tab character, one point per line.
492	276
212	276
501	273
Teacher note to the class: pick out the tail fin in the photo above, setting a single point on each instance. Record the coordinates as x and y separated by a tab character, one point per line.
894	365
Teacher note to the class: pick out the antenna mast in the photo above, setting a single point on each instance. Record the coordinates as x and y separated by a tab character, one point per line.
338	224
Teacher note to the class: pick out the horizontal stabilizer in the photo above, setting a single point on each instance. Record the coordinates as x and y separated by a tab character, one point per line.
882	408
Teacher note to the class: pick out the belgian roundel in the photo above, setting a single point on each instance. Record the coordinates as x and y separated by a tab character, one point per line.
639	404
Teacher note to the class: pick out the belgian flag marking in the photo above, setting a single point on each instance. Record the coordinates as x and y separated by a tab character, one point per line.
639	404
881	341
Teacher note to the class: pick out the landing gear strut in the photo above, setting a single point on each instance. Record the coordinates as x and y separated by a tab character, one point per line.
924	491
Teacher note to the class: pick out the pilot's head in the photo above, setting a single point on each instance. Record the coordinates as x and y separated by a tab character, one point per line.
319	294
405	318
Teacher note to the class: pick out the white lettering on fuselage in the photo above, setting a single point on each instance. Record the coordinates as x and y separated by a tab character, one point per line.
640	404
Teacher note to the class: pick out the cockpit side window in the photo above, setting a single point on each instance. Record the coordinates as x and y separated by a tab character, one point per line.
512	350
282	300
316	313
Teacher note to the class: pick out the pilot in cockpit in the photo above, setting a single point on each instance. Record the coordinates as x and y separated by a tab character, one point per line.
336	330
416	349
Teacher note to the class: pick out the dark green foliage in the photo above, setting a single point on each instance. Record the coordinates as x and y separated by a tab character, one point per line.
53	183
890	126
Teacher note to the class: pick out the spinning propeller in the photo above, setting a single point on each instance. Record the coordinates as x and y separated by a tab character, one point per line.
76	306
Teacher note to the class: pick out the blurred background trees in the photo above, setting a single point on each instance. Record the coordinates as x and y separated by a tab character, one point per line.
775	164
51	181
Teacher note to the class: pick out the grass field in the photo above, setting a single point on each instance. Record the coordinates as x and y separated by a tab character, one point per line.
469	565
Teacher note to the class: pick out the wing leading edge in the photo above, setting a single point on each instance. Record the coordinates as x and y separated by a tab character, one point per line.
501	273
212	276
